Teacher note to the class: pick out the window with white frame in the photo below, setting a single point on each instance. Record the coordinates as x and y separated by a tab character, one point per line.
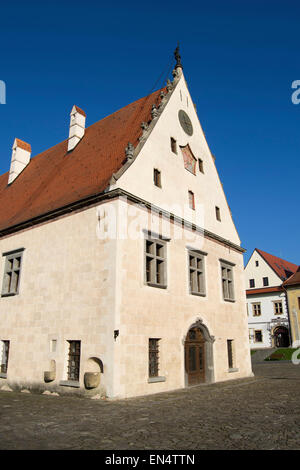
256	309
258	337
278	309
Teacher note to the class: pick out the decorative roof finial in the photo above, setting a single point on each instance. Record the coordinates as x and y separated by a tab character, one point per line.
177	57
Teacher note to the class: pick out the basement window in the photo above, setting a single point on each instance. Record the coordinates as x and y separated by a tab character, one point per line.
4	353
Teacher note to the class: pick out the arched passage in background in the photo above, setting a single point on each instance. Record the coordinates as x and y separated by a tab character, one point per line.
281	337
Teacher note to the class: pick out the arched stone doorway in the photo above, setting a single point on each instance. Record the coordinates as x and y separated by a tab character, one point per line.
198	355
281	337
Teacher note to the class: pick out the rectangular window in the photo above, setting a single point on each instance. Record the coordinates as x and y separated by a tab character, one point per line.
218	214
74	360
173	145
265	281
299	303
256	263
258	336
153	357
201	167
4	351
230	354
156	263
196	273
251	282
191	200
12	270
157	178
278	308
256	309
227	281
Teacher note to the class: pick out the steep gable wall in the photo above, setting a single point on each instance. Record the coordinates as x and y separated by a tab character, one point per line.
259	272
176	181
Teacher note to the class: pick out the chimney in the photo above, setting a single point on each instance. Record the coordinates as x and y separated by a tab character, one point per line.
21	152
77	127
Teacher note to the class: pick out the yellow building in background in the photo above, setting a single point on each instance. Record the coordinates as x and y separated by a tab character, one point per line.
292	287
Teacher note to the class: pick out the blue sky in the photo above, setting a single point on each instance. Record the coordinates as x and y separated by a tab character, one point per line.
240	59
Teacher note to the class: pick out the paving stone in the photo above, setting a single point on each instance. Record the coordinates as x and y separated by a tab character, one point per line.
258	413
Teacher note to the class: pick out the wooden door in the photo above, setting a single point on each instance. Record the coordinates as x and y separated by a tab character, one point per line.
195	356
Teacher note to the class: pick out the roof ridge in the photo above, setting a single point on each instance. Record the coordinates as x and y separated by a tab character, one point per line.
93	124
275	256
52	179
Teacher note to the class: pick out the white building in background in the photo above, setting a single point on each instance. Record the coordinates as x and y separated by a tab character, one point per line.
267	308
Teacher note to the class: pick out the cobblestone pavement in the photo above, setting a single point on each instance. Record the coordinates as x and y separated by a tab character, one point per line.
256	413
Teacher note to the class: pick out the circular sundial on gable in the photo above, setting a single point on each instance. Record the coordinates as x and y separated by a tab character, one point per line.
185	122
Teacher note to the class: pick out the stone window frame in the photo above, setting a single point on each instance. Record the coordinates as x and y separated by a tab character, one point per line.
256	312
154	351
4	356
198	255
279	302
69	382
231	355
12	269
229	280
160	258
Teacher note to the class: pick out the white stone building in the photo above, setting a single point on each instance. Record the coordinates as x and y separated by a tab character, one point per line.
121	270
267	308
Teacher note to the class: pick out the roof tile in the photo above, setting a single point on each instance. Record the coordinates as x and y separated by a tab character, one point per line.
56	178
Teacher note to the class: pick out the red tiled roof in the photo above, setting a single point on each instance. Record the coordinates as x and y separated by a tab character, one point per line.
79	110
281	267
264	290
293	280
56	178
